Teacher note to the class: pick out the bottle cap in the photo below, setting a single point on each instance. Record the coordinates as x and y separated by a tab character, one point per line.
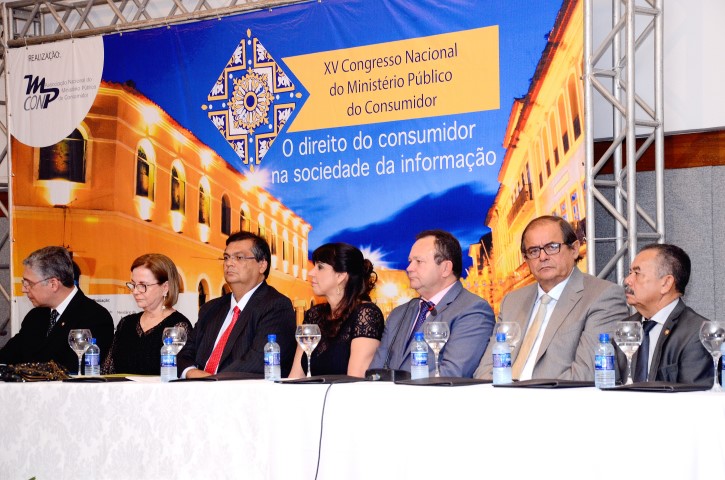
500	337
603	338
93	341
168	341
271	338
418	337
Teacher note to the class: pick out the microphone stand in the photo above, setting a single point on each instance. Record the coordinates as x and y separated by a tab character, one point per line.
387	374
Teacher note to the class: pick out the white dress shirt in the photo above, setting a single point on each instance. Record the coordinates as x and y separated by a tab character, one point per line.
654	334
555	294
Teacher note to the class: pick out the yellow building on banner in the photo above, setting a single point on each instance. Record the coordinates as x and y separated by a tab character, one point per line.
130	180
543	168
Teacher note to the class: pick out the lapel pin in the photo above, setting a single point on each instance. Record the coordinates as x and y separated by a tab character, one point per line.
667	332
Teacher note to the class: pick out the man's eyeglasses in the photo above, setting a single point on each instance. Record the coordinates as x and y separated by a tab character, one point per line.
27	284
141	287
550	248
236	258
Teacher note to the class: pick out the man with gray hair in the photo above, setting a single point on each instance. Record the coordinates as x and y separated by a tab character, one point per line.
671	350
59	308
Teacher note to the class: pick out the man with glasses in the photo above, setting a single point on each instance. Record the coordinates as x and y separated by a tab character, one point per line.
48	282
232	330
562	315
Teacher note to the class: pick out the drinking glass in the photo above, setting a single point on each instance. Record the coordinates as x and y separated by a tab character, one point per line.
436	335
79	340
177	336
712	335
512	330
308	336
628	336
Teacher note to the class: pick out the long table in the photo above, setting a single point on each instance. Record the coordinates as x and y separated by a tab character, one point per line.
254	429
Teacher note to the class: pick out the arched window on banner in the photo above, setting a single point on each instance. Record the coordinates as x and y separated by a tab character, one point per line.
204	206
226	220
273	242
547	150
204	210
178	196
178	190
203	292
145	171
261	227
574	105
563	123
243	224
66	160
554	138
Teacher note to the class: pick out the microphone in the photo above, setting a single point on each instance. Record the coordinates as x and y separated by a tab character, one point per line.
433	311
386	373
386	365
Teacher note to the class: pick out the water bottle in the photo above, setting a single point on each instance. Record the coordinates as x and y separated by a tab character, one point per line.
168	360
501	360
419	357
604	363
93	360
272	370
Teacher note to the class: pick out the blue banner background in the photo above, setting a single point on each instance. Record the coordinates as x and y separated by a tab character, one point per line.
176	67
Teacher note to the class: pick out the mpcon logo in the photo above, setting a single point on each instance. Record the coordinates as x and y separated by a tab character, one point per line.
37	96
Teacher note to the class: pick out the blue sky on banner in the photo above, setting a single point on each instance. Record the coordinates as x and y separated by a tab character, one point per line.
177	66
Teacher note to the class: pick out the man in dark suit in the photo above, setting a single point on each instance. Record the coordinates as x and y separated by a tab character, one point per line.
232	330
671	351
434	269
59	308
562	314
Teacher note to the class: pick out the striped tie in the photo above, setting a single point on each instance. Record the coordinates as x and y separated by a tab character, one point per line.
425	307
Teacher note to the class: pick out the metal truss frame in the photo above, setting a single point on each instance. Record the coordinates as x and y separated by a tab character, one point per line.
26	22
609	70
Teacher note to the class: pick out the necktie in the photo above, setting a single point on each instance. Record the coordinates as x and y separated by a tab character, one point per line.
641	368
216	355
53	319
530	337
425	307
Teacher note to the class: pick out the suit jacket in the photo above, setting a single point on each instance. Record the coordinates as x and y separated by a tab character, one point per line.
469	318
32	345
679	356
267	311
587	307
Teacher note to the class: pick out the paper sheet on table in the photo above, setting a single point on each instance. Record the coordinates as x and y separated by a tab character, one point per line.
144	378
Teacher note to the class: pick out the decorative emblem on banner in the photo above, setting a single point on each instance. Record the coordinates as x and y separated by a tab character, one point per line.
251	101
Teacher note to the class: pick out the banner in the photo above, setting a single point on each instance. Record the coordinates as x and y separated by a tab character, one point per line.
357	121
52	88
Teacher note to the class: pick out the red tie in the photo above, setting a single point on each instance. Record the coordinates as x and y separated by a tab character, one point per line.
213	363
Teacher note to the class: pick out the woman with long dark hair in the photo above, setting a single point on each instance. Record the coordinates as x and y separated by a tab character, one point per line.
351	325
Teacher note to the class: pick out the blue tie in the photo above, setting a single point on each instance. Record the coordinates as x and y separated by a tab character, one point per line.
425	307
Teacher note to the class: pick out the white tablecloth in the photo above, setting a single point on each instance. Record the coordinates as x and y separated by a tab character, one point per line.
258	430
